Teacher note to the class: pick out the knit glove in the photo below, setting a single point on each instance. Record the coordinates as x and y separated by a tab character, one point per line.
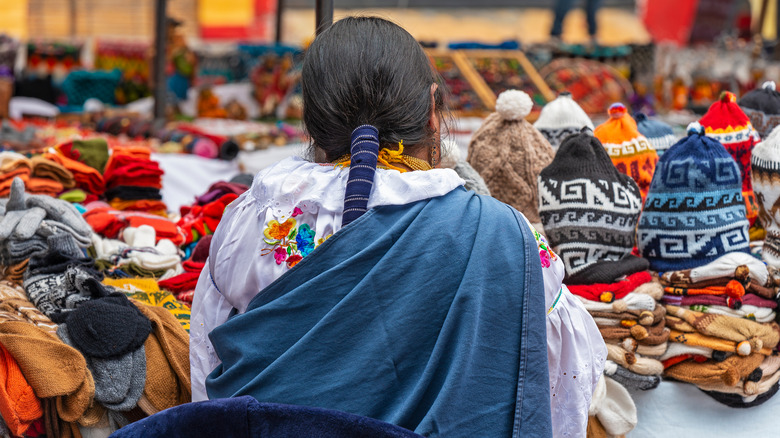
730	328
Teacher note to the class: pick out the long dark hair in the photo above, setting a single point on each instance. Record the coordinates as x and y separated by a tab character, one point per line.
367	70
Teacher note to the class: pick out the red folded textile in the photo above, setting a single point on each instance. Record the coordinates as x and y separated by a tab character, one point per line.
198	221
613	291
180	283
109	222
87	178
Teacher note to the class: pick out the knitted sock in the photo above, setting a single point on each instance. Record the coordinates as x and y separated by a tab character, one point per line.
645	317
633	361
653	335
632	302
677	349
753	313
19	250
750	286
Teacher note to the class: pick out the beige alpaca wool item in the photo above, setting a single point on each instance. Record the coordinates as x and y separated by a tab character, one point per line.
509	153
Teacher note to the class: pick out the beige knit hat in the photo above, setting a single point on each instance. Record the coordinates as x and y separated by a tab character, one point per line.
510	153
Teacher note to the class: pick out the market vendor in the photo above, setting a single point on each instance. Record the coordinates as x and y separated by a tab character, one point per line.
371	281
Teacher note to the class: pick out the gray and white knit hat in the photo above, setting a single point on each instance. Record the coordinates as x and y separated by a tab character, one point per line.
561	118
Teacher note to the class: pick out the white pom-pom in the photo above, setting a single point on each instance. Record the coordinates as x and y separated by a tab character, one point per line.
513	105
695	128
743	348
769	85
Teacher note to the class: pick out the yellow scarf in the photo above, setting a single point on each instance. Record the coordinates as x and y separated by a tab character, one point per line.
387	157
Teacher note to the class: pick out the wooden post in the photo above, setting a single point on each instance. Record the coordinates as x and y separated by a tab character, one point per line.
279	11
160	40
324	14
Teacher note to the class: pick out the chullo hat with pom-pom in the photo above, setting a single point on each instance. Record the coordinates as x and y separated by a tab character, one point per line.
694	212
510	153
728	124
629	150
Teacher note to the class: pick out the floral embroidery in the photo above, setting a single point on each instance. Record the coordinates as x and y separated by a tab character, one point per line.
289	241
546	255
305	240
277	231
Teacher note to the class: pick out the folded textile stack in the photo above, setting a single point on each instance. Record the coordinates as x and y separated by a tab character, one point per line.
109	222
133	181
561	118
201	220
183	285
589	211
728	124
27	222
658	133
140	253
629	150
86	178
719	299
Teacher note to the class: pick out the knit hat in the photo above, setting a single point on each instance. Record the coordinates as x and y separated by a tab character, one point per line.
588	209
18	404
628	379
561	118
765	164
762	106
694	212
658	133
614	407
729	371
726	123
737	401
741	266
629	150
119	382
108	327
509	153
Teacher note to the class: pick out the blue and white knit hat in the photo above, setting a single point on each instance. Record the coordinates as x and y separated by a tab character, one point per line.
658	133
694	211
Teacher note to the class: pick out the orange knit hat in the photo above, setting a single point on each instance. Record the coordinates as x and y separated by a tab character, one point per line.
629	150
18	404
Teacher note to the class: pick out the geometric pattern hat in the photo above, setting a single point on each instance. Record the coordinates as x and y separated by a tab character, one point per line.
588	209
728	124
629	150
694	211
762	106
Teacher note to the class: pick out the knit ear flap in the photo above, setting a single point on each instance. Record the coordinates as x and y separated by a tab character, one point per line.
730	376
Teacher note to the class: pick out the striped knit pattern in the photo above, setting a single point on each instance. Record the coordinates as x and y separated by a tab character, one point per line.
766	185
588	209
365	152
762	106
694	211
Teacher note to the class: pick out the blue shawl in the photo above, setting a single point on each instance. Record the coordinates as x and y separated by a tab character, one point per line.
429	316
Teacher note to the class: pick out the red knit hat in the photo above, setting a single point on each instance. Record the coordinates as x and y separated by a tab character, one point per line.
727	123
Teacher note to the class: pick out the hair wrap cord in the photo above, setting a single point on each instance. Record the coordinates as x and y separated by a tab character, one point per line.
364	152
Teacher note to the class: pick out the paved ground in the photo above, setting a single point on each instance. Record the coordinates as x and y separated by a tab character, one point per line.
529	25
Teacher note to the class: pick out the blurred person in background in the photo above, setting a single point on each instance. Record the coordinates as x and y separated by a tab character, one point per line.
562	8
